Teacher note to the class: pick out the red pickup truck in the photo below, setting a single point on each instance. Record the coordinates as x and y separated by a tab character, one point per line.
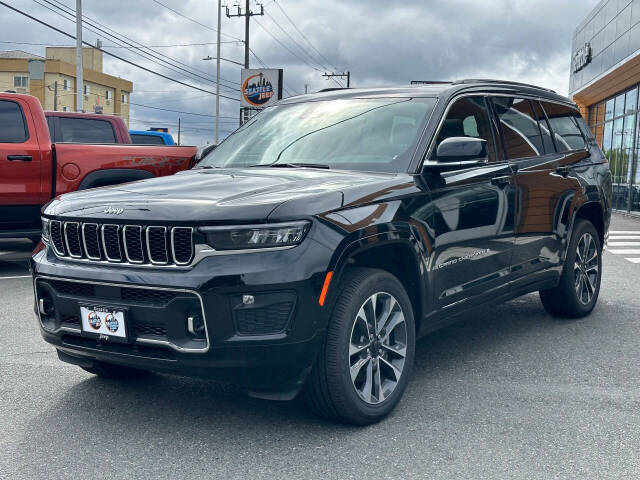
77	127
33	170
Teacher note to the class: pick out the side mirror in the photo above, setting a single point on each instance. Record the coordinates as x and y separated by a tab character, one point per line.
461	149
458	153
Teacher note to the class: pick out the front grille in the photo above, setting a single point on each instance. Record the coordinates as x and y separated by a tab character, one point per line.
151	330
72	236
128	244
57	238
75	289
267	320
72	319
145	296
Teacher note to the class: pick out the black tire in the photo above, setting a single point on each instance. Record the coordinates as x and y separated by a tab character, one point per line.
330	391
564	300
110	370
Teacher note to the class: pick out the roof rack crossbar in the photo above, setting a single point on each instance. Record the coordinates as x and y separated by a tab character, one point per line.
505	82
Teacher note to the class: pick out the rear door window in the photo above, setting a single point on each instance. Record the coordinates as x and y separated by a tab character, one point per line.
85	130
519	127
545	129
564	126
146	139
13	128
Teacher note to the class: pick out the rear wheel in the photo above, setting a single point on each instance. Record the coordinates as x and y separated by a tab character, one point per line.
110	370
577	293
366	359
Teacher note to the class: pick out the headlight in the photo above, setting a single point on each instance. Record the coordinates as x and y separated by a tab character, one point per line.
243	237
45	229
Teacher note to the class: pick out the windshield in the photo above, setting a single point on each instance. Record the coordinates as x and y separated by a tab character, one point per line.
352	134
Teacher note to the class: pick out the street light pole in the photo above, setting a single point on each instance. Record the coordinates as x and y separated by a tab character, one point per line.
79	81
218	75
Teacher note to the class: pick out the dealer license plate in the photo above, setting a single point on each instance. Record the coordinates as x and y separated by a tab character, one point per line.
106	322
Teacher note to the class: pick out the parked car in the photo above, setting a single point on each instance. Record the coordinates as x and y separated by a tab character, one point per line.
151	137
34	170
313	246
78	127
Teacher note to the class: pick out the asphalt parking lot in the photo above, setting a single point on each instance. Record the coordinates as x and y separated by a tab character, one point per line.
510	393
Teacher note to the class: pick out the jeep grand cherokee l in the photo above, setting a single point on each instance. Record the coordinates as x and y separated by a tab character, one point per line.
312	247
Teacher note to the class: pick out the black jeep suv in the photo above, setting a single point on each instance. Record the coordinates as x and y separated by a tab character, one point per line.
316	243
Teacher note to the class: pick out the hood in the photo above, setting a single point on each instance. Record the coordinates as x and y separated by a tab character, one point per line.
212	195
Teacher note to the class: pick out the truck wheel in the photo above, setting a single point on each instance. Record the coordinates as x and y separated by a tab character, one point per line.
577	293
366	359
110	370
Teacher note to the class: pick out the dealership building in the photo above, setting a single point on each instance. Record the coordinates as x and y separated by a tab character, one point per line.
605	75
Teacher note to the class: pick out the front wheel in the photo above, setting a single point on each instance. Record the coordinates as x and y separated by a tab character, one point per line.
365	363
577	293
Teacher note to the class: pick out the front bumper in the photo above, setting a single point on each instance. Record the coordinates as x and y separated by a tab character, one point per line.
267	345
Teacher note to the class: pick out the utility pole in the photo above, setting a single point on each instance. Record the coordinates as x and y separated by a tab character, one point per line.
342	75
218	75
55	96
247	15
79	80
178	131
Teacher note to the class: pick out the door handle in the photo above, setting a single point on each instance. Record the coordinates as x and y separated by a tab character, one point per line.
500	181
564	171
19	158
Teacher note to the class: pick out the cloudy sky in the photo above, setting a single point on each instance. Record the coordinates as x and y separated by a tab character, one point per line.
382	42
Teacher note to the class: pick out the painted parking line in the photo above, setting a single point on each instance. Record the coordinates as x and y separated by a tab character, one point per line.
624	251
15	276
624	232
623	244
625	237
633	260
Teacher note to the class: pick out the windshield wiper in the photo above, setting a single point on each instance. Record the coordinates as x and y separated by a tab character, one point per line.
300	165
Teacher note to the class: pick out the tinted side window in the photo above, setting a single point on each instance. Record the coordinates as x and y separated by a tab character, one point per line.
545	130
146	140
519	127
12	126
52	128
564	126
85	130
467	117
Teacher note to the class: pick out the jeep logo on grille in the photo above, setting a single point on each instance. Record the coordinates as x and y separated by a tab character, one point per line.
113	211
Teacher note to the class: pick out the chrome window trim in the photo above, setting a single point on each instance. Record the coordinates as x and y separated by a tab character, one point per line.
164	229
104	245
65	236
125	285
173	248
124	240
84	241
485	93
55	249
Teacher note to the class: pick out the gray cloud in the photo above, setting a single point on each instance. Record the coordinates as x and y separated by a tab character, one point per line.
380	42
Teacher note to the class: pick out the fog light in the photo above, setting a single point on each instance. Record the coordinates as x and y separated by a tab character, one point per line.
195	325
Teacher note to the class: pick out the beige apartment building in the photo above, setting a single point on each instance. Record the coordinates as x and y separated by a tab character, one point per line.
52	79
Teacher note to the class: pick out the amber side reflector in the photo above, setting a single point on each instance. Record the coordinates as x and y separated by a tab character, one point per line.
325	288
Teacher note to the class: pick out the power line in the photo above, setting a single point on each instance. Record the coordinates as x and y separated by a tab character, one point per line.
264	65
195	21
120	46
92	23
178	111
303	35
62	32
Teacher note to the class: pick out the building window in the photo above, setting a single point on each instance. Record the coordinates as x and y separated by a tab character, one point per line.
87	90
65	85
64	109
613	123
21	81
107	94
123	99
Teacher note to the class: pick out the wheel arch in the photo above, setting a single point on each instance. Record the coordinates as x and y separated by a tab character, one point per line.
593	212
113	176
395	254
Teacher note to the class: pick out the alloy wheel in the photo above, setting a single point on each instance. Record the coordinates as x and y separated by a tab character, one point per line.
377	348
586	268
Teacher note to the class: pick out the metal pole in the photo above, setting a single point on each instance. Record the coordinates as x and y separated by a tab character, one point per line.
348	79
79	80
246	34
178	130
55	96
218	76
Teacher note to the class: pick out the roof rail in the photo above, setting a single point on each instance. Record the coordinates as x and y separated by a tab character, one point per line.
505	82
429	82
